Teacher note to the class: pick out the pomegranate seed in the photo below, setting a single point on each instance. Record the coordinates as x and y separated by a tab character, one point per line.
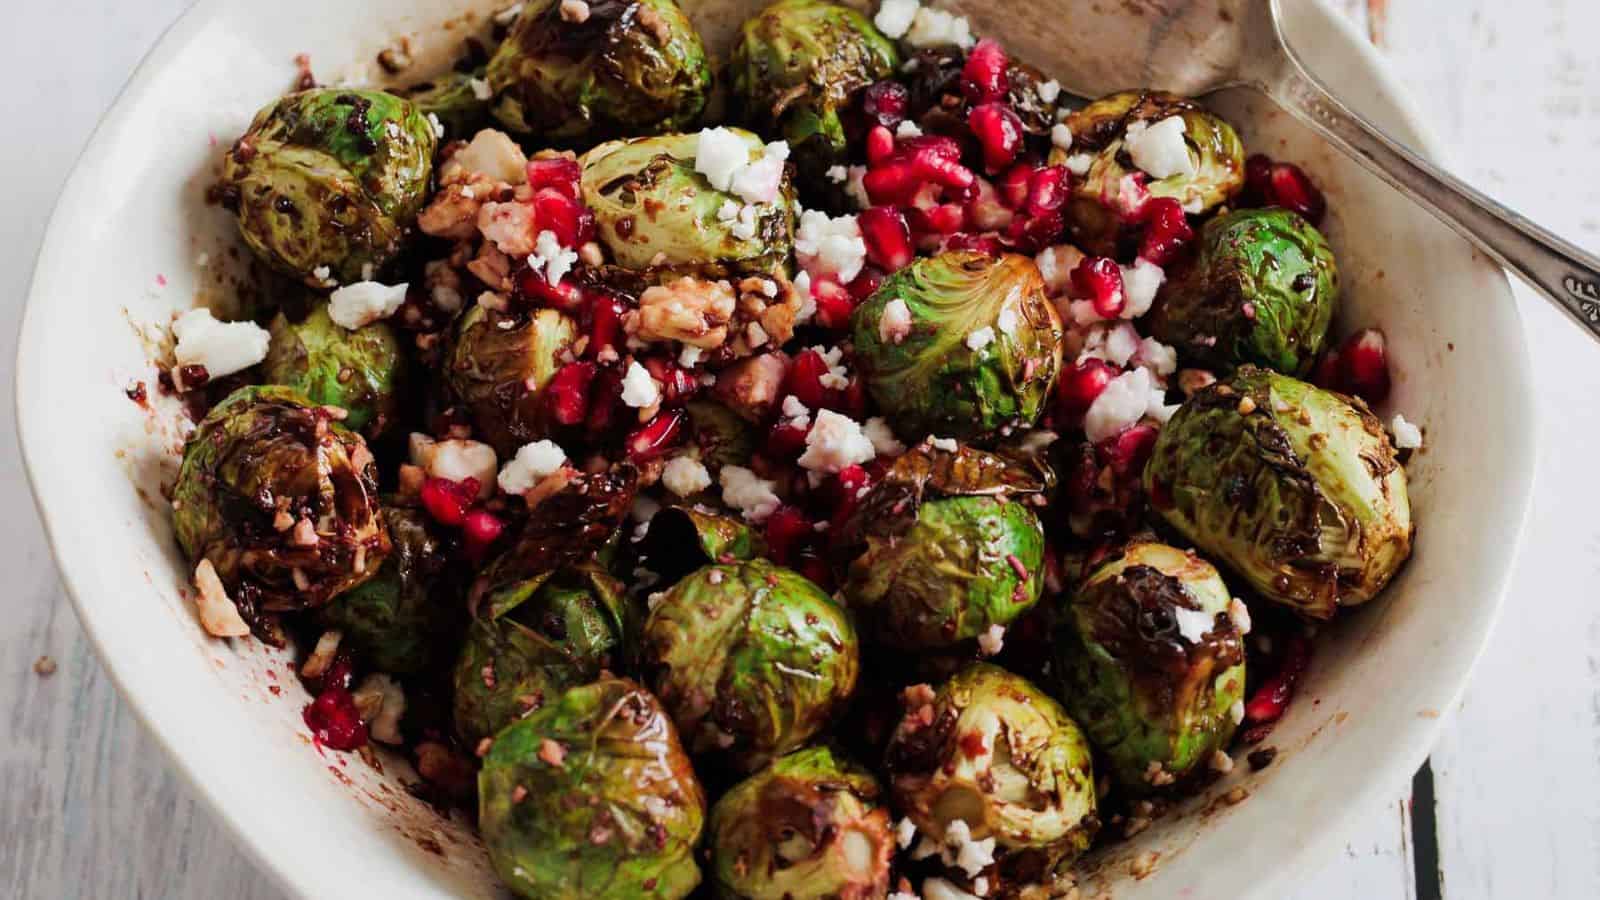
977	243
885	103
1047	190
559	173
1013	186
1082	474
570	221
866	284
933	164
1129	197
1127	452
786	441
841	494
567	394
888	238
890	183
1166	230
999	132
448	501
334	720
1360	366
848	401
677	383
657	437
880	144
1100	280
946	218
341	672
809	562
1258	178
532	287
834	303
1080	385
1033	234
1268	704
479	532
1292	189
605	402
983	78
804	379
788	530
605	326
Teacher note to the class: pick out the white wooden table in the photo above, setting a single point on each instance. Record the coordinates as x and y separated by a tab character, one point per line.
1508	808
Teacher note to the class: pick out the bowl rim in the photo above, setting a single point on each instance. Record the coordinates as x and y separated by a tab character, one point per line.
1413	742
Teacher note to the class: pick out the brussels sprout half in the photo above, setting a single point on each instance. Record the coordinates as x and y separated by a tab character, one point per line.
630	67
1149	662
327	182
1295	489
941	549
1263	290
811	825
656	214
591	797
281	498
983	350
454	99
500	371
797	66
994	752
681	539
358	371
752	660
1098	129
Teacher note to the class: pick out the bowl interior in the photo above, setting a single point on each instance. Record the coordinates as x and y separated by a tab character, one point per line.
133	240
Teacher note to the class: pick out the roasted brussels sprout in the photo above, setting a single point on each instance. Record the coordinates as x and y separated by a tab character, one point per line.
681	539
405	617
1294	488
500	372
327	182
630	67
565	630
723	437
944	547
1216	170
999	756
358	371
751	659
1262	290
281	498
457	99
655	213
796	68
809	826
982	351
1149	662
590	797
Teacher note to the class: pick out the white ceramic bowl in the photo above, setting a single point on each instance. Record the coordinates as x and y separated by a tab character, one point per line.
122	253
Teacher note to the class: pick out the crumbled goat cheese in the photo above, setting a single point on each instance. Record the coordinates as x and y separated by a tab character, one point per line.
222	347
456	460
907	130
972	856
895	322
1159	149
830	246
992	640
684	476
1240	614
480	88
744	226
937	28
1140	282
884	443
1115	342
979	338
1157	357
381	693
856	187
728	211
719	155
795	412
1078	163
1056	265
1007	321
639	390
554	260
940	889
948	445
508	15
1406	435
323	274
1158	408
1061	137
904	831
902	895
895	16
1121	404
532	464
438	126
364	302
837	174
751	495
808	303
689	356
1193	623
1049	91
760	181
1236	711
493	154
834	442
218	616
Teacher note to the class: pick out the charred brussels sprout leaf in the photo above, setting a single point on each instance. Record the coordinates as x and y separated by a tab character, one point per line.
1099	129
631	67
810	825
591	797
500	372
983	350
996	753
796	68
751	659
1263	290
1294	488
655	213
282	499
454	99
330	181
358	371
411	611
681	539
945	546
1149	662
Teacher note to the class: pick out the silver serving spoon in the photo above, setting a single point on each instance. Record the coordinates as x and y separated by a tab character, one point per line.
1192	47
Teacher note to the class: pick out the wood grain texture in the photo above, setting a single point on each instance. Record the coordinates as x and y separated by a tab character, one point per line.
90	808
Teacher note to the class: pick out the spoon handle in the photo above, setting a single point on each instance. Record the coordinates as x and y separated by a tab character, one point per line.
1567	275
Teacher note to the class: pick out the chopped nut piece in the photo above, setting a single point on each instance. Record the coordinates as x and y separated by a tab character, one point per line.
218	615
689	310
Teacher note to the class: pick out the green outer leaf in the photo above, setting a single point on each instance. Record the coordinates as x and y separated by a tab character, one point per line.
1141	691
1263	290
752	660
723	437
933	381
1302	497
624	777
358	371
681	539
453	101
782	833
500	373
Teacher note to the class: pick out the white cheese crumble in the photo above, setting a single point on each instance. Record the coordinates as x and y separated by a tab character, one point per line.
689	356
438	126
1007	321
751	495
218	616
1157	357
895	322
1159	149
1049	91
728	211
533	463
992	640
491	153
760	181
907	130
1140	282
382	693
824	245
480	88
1240	614
834	442
1121	404
937	28
744	225
808	303
940	889
855	187
719	155
1192	623
904	831
972	856
1078	163
1115	342
456	460
684	476
838	174
894	17
549	257
1406	435
979	338
884	443
1061	137
364	302
796	413
222	347
638	388
1236	711
948	445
